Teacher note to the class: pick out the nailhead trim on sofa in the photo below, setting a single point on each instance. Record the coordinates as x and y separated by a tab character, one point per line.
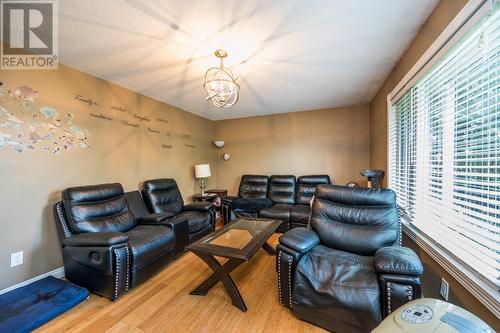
117	274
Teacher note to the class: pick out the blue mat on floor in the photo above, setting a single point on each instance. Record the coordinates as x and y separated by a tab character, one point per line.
26	308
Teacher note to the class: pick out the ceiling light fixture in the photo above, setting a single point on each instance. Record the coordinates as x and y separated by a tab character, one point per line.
220	84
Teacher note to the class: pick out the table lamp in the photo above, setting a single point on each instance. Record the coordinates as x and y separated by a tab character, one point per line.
202	171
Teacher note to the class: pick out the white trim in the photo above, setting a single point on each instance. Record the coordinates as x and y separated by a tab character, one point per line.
487	295
388	143
448	37
58	273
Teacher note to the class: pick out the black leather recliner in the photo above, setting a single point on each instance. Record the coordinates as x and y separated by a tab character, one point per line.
162	196
347	271
282	193
106	248
252	197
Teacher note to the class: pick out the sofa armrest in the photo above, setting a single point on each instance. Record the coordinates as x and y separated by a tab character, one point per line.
180	226
299	239
154	218
199	206
399	270
96	239
397	260
104	270
293	245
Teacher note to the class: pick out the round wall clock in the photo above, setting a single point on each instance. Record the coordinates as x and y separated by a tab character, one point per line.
226	156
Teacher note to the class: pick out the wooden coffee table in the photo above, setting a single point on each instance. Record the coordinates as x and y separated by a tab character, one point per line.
238	241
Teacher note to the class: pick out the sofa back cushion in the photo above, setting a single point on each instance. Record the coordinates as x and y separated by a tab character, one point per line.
136	204
253	186
163	196
356	220
282	189
97	208
306	186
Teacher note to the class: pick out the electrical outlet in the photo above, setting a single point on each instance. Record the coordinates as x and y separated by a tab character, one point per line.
16	259
445	289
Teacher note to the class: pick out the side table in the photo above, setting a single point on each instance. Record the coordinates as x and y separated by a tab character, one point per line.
218	200
204	198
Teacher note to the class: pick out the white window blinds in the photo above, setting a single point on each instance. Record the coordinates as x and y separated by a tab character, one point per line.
444	150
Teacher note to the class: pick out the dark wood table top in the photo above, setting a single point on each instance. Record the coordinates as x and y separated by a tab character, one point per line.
240	239
216	191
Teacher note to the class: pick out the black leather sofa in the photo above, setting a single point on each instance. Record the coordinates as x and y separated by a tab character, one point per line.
111	242
281	197
106	248
347	270
162	196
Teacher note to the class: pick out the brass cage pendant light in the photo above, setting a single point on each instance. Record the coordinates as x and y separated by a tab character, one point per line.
220	84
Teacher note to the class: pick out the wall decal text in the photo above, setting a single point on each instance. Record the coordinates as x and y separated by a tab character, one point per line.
100	116
86	100
126	123
118	108
141	118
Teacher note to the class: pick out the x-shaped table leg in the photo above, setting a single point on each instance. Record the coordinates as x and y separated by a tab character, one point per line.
221	273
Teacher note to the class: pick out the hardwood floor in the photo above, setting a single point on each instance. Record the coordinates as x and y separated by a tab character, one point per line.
163	303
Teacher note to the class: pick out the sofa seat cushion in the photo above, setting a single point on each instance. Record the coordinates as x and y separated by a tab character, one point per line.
340	286
277	212
300	214
148	242
196	220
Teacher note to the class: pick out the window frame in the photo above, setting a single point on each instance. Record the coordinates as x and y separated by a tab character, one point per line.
470	14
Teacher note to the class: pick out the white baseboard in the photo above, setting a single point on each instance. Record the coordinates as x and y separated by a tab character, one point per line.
58	273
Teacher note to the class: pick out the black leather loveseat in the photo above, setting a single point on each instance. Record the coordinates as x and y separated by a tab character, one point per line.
162	196
111	242
281	197
347	270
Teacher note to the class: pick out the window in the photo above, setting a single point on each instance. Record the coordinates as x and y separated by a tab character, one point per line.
444	150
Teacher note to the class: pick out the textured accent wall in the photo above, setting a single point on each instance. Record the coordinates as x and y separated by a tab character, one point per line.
127	138
333	142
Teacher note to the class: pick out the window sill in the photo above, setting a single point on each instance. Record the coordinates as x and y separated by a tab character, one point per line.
469	279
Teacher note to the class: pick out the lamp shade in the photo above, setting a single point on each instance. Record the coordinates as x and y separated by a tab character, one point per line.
219	143
202	171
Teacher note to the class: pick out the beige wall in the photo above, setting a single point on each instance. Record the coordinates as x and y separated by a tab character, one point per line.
442	15
31	181
333	142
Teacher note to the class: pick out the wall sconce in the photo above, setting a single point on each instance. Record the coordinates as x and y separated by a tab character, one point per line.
226	156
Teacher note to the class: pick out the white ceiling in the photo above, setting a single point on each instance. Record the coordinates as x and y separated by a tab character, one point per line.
290	55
